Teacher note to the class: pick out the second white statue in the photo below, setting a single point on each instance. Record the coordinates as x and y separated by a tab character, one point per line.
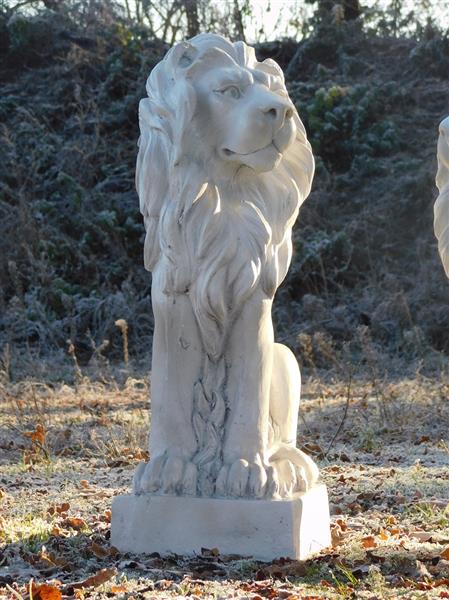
223	167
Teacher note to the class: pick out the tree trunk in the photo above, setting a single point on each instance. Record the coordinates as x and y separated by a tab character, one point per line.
193	22
238	22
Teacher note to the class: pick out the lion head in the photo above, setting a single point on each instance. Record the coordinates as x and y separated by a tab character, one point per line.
223	166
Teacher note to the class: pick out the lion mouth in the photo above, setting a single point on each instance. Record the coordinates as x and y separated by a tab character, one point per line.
262	159
231	153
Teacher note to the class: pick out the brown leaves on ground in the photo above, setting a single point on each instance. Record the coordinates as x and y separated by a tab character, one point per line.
118	589
99	578
75	523
52	559
339	531
267	589
38	435
59	509
389	523
44	591
282	568
38	450
368	541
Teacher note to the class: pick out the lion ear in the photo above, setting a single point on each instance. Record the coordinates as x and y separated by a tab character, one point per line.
270	67
183	55
246	55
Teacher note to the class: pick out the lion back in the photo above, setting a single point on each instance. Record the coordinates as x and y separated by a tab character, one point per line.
441	208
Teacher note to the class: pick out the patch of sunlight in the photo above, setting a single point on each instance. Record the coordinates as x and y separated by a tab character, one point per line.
29	529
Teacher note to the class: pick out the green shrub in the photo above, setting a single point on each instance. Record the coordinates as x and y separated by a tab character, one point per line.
346	122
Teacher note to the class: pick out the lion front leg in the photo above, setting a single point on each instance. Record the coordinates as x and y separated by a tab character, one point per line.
249	357
176	367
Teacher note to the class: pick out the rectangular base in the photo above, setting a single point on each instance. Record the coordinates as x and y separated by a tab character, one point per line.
263	529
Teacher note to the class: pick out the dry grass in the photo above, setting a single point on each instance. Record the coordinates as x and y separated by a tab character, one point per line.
65	451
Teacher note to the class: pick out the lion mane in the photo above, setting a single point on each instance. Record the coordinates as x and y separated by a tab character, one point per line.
217	244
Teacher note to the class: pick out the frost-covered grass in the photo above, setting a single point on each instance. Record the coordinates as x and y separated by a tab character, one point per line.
388	494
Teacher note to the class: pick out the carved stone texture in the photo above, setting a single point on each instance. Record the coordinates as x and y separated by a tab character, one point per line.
441	208
222	169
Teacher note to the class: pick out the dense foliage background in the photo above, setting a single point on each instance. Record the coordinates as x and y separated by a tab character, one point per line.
365	286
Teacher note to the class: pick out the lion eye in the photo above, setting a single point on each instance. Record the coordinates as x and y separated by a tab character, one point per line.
232	91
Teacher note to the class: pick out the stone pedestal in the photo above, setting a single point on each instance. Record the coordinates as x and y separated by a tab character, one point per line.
263	529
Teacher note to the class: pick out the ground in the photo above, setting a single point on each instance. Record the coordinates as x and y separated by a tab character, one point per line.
382	447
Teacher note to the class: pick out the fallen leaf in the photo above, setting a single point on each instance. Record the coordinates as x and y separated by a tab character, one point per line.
75	523
339	532
107	515
51	559
355	507
291	568
57	531
38	435
59	509
45	592
95	580
98	550
369	542
196	591
118	589
423	439
84	483
342	524
445	553
421	536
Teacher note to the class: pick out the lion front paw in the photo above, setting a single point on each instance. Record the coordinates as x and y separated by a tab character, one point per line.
288	479
241	479
164	474
294	471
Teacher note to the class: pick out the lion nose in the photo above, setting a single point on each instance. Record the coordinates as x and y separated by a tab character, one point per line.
278	113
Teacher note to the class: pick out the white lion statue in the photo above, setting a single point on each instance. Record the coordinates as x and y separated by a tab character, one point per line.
441	208
223	167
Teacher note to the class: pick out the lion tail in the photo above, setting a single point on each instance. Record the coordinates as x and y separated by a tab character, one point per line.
441	208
